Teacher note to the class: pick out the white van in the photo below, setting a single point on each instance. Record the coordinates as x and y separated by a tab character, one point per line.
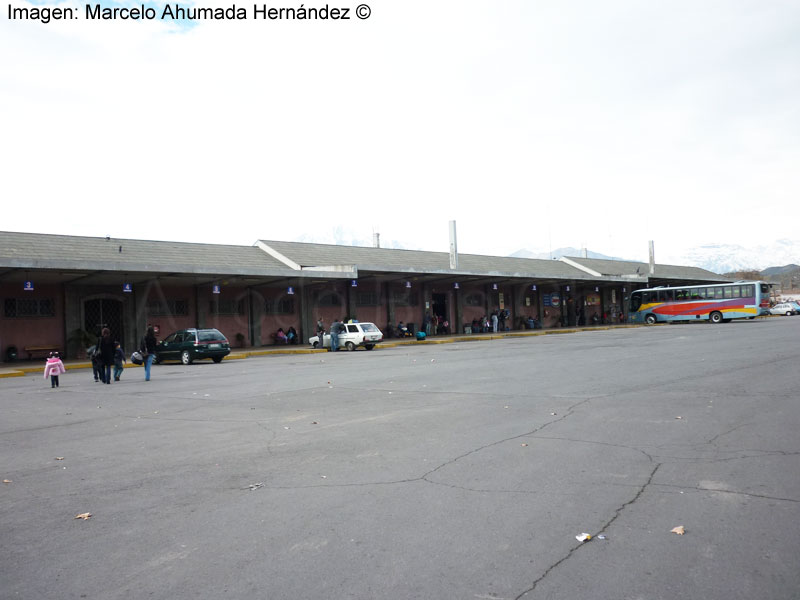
355	334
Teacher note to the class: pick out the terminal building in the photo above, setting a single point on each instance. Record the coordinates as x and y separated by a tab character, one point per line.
58	291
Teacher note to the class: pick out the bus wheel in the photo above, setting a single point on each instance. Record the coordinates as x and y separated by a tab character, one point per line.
650	319
715	317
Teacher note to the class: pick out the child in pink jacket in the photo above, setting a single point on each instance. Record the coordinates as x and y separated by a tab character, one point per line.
54	367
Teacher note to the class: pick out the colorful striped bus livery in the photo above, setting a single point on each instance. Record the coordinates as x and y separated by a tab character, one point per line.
715	303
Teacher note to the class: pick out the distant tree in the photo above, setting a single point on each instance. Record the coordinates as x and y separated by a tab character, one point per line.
745	275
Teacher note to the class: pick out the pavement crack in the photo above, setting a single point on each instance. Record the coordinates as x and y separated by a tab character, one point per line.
723	491
570	410
604	527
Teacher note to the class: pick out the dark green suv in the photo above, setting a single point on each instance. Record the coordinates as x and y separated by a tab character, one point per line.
188	345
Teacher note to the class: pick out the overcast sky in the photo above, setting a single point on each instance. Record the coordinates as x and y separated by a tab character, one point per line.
533	124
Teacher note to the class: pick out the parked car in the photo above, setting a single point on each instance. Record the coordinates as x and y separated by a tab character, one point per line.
188	345
784	308
795	306
355	334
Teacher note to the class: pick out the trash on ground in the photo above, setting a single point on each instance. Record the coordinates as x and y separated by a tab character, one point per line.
678	417
84	516
584	537
287	427
7	481
679	530
523	444
255	486
601	537
314	423
324	476
553	414
59	458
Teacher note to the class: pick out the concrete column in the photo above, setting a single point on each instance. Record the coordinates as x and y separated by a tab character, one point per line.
307	321
458	322
389	291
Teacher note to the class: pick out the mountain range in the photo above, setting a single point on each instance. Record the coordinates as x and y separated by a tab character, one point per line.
717	258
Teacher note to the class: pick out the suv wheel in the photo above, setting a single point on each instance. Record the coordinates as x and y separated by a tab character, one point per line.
186	357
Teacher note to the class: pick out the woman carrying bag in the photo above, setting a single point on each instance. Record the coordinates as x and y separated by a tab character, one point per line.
148	350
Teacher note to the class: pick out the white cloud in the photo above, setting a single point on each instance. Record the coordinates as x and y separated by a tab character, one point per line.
534	125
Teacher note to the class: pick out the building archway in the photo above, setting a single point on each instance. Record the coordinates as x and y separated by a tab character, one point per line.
104	312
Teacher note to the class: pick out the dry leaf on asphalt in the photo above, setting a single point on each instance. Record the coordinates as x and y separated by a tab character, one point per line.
679	530
84	516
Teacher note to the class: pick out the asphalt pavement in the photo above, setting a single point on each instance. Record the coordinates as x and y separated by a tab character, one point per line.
423	471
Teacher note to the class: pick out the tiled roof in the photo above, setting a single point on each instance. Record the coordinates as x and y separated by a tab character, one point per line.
372	259
45	251
611	268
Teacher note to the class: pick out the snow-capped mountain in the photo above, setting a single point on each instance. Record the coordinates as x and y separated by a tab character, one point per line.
523	253
718	258
727	258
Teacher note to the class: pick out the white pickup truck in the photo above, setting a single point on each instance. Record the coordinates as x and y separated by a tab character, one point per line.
355	334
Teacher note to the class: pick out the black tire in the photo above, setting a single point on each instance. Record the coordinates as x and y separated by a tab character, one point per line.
315	344
651	319
217	359
789	313
350	346
186	357
715	317
369	346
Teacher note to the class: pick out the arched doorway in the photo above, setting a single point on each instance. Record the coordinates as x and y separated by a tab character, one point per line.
104	312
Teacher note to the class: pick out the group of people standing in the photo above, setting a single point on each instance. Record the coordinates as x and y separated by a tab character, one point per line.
337	327
108	352
494	322
435	324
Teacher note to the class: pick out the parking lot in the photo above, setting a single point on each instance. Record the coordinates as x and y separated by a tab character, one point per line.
459	471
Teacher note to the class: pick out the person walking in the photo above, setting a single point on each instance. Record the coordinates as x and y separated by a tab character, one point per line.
148	350
494	321
97	362
53	368
119	361
106	345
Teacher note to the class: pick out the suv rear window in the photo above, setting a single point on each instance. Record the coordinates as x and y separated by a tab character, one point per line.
210	335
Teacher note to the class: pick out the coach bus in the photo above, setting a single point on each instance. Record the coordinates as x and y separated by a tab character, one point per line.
717	303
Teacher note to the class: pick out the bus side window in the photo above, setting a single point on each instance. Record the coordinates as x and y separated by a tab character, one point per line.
728	290
669	295
737	291
748	291
701	293
718	293
636	301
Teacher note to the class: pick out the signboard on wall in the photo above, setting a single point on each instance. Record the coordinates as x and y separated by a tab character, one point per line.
500	300
546	300
555	299
592	300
